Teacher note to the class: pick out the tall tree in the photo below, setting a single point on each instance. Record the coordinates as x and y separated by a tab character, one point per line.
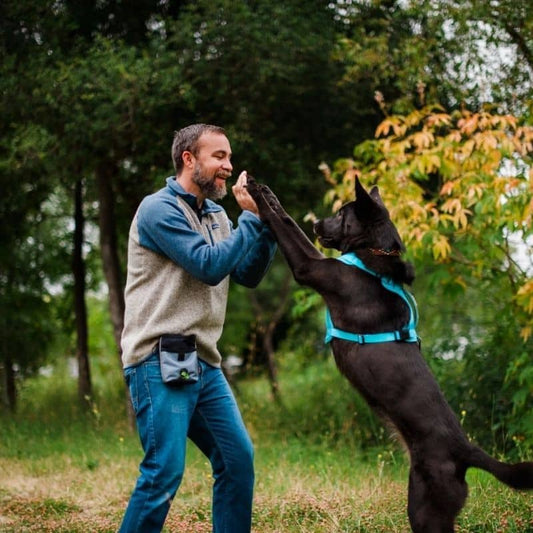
45	44
272	85
485	48
78	271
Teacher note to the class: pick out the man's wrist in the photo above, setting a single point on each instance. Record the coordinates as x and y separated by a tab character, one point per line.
256	213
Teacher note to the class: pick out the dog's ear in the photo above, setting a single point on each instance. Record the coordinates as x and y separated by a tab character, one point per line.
370	207
374	194
361	196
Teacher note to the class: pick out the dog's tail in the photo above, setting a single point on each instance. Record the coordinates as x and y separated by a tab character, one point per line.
517	475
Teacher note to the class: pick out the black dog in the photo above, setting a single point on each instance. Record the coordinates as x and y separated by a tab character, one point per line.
384	361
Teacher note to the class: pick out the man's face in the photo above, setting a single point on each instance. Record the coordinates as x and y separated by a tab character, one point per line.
212	166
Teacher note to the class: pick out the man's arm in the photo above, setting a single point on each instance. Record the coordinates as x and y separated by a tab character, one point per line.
254	265
164	229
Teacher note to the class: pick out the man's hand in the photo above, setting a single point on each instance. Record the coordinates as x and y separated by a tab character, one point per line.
242	196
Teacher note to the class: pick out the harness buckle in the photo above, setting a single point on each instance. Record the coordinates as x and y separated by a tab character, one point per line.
402	335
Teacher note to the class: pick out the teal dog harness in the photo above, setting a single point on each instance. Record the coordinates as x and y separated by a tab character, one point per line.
406	334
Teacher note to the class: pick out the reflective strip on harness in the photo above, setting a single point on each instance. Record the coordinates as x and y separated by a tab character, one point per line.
406	334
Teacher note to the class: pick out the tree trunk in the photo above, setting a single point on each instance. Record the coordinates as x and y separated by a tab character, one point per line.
108	247
8	386
105	174
272	367
268	329
80	308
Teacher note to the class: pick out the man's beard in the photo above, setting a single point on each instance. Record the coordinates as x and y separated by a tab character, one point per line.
208	185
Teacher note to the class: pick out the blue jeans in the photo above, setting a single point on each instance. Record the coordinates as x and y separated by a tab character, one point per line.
207	413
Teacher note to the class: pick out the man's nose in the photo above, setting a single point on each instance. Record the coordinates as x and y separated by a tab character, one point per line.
227	165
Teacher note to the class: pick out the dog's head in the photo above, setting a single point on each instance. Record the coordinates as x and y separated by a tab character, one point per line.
362	224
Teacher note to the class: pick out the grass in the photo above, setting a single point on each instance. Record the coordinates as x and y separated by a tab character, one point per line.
61	471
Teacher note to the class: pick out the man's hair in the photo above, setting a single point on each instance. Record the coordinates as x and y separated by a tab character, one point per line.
187	138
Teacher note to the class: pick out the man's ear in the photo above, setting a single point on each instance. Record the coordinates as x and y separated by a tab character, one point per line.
188	159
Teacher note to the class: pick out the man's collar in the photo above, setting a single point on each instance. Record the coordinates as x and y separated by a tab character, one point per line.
208	206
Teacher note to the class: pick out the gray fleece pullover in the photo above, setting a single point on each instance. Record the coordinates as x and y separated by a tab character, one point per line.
179	265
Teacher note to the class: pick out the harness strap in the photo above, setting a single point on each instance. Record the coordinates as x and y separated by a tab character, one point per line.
406	334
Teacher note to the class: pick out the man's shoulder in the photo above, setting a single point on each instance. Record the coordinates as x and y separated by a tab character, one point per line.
157	206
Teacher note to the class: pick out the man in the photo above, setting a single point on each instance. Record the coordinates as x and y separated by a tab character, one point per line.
182	252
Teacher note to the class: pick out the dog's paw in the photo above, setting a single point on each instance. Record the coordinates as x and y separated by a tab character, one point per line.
271	198
253	187
257	190
266	200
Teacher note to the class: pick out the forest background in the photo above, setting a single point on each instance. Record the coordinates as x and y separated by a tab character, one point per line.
432	100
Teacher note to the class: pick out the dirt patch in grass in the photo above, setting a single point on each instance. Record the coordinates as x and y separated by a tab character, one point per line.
24	514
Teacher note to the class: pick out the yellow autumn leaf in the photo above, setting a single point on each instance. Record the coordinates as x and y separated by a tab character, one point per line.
454	136
468	124
432	210
460	281
475	192
524	296
438	119
447	188
527	214
337	204
486	140
467	148
386	125
461	218
350	175
451	205
441	248
422	139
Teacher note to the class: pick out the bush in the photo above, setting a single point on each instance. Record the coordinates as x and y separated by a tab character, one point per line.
317	403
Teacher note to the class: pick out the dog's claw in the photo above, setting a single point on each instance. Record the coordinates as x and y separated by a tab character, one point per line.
265	199
253	188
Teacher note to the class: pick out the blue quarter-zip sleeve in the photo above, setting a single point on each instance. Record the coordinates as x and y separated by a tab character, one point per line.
164	229
254	265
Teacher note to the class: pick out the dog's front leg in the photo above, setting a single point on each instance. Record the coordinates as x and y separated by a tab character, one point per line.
299	251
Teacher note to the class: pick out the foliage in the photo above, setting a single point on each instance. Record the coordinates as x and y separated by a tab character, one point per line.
389	49
33	256
459	187
264	81
470	339
450	51
495	40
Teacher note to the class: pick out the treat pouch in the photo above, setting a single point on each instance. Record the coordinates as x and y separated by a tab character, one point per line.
178	358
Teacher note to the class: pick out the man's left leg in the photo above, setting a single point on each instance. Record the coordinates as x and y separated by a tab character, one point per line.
218	430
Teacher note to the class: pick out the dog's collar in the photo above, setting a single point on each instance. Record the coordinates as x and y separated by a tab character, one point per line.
388	252
406	334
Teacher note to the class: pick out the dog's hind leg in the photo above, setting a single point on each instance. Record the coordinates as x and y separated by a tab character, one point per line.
437	493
